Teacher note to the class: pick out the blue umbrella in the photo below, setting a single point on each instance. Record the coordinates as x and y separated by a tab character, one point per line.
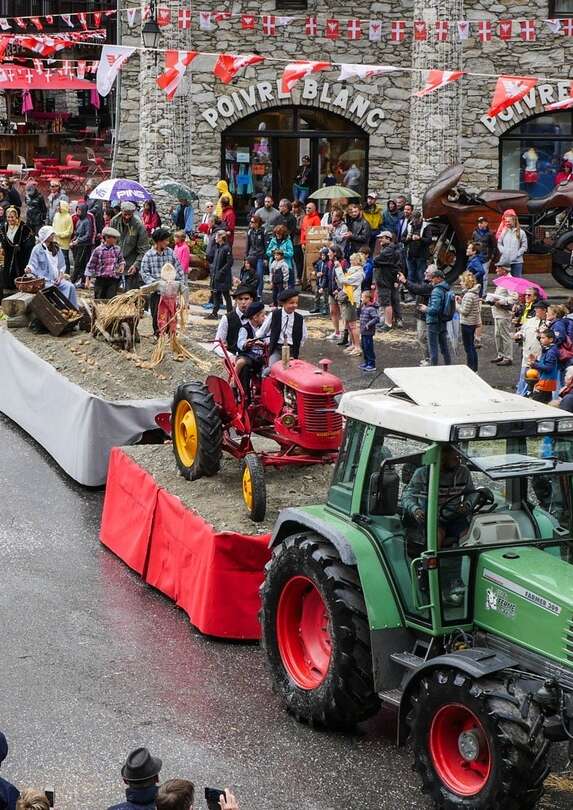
118	190
178	190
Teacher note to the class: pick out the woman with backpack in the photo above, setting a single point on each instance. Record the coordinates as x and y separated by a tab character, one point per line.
440	309
469	307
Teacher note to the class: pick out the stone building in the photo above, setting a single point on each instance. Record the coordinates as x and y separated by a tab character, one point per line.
252	134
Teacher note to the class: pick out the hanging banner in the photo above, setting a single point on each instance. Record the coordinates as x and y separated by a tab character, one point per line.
111	59
298	70
248	22
375	31
228	65
354	29
442	30
505	29
311	26
349	71
332	29
463	30
176	63
438	78
508	90
19	78
420	31
398	31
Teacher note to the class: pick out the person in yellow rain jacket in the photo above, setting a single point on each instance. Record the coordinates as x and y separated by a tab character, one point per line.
223	190
373	214
63	226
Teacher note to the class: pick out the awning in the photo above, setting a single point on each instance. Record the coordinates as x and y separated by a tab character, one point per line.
21	78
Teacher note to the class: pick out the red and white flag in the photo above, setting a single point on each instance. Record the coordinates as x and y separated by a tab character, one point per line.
528	30
205	23
184	19
284	21
81	68
175	66
4	24
298	70
567	27
49	19
553	25
45	46
505	29
374	30
20	22
442	30
269	25
83	18
332	29
221	16
398	31
4	42
66	68
37	23
420	30
349	71
311	26
67	18
564	104
463	30
508	90
97	15
132	17
38	65
354	29
112	57
228	65
485	31
163	16
248	22
438	78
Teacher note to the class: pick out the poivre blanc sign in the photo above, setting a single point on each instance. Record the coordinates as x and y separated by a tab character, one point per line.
541	94
245	101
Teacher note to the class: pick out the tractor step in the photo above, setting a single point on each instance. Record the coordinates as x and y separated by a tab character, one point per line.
407	660
391	697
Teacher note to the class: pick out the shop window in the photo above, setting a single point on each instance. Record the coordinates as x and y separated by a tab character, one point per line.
560	8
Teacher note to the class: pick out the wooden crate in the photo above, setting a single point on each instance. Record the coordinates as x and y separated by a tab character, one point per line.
47	306
534	263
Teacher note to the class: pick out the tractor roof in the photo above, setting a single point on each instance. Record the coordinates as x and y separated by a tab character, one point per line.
428	402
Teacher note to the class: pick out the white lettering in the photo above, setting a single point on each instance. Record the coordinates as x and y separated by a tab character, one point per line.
507	115
249	95
211	117
374	117
341	99
489	123
324	97
359	106
280	93
265	90
546	94
238	102
225	107
310	89
563	89
531	98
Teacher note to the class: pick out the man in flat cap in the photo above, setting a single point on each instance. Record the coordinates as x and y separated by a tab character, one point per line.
133	242
284	326
141	775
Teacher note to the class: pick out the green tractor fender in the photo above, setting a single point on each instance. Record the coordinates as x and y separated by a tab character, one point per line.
477	662
295	520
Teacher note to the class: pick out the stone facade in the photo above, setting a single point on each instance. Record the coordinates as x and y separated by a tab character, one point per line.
409	141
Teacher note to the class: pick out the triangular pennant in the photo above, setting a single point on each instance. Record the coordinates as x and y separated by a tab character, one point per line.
175	66
438	78
398	30
553	25
83	18
374	30
37	23
332	29
20	22
97	15
442	30
505	29
4	24
350	71
420	30
112	57
508	90
298	70
228	65
528	30
563	104
132	17
248	22
67	18
49	19
163	16
463	30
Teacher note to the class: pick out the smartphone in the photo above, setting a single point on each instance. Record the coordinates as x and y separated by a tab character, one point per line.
50	796
212	797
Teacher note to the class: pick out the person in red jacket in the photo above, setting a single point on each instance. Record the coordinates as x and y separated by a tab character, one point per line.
310	220
229	218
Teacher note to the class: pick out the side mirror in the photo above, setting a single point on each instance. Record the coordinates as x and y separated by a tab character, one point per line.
383	492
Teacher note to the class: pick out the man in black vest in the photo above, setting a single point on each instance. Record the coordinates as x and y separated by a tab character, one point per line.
229	326
285	327
141	775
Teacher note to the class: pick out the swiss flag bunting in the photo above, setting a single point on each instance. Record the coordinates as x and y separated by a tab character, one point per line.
205	23
463	30
20	22
269	25
298	70
442	30
508	90
420	30
228	65
567	26
83	18
439	78
184	19
484	30
374	30
248	22
311	26
37	23
163	16
398	31
505	29
175	66
354	29
528	30
332	29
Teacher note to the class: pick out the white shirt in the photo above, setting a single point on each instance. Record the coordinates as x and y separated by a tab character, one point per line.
287	323
223	328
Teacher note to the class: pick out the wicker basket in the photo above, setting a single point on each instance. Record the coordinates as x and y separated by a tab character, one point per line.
29	284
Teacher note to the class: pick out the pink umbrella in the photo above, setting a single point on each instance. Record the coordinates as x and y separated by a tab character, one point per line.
518	285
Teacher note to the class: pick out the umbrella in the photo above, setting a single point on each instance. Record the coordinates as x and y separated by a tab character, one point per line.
333	193
178	190
352	155
518	285
119	190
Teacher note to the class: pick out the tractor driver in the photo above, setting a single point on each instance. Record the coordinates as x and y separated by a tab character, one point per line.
230	325
250	350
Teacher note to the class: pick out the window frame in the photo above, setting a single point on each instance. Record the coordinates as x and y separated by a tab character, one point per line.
555	15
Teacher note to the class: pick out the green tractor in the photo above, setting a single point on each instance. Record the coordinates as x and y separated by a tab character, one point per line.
436	579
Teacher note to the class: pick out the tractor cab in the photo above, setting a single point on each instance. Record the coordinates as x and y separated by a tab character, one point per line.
441	474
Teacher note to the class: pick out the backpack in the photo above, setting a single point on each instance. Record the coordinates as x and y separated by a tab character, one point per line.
277	277
566	350
448	306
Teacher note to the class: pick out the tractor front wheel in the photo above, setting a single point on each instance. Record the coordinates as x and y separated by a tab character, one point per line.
254	487
196	431
315	633
477	743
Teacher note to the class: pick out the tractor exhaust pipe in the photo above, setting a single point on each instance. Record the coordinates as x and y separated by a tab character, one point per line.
285	355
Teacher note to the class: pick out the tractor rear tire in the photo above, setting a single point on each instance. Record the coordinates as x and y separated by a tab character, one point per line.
196	431
497	726
315	634
562	265
254	487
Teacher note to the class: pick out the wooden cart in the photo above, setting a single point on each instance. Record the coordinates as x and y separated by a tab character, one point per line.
117	325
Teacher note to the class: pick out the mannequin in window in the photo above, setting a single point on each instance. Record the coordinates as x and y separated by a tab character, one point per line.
301	185
352	178
530	174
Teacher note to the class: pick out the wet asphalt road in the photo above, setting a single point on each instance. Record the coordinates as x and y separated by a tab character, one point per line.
94	663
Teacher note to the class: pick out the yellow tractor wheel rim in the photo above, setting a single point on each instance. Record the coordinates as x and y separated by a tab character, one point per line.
185	433
248	488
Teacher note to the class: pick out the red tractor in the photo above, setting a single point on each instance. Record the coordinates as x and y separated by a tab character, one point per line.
294	406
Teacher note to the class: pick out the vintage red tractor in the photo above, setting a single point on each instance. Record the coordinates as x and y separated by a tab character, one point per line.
294	406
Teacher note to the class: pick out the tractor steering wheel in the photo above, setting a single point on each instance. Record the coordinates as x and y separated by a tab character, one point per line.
473	503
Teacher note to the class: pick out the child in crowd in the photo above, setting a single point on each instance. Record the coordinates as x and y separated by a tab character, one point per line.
349	299
251	350
321	294
106	265
248	275
284	326
181	250
368	268
548	367
369	320
279	270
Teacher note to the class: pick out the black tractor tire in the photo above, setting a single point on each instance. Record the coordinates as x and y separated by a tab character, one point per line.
206	459
345	695
255	491
512	742
562	267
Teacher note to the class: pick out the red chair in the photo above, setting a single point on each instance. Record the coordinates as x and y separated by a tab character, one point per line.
97	164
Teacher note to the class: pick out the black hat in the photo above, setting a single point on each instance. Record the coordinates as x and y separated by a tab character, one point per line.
286	295
242	290
3	747
540	304
159	234
140	766
252	309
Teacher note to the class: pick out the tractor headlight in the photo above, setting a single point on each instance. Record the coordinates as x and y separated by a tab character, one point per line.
563	425
546	427
288	420
466	432
487	431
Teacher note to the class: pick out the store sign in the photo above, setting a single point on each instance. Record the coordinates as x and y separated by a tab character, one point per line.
541	94
247	100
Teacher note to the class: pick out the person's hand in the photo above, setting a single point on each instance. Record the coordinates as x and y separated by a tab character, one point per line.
401	278
419	516
458	299
132	270
423	308
88	283
228	801
415	236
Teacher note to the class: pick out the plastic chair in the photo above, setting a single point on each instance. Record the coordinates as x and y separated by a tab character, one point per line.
97	164
24	168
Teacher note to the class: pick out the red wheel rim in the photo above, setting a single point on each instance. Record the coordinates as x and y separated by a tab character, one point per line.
459	750
303	637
